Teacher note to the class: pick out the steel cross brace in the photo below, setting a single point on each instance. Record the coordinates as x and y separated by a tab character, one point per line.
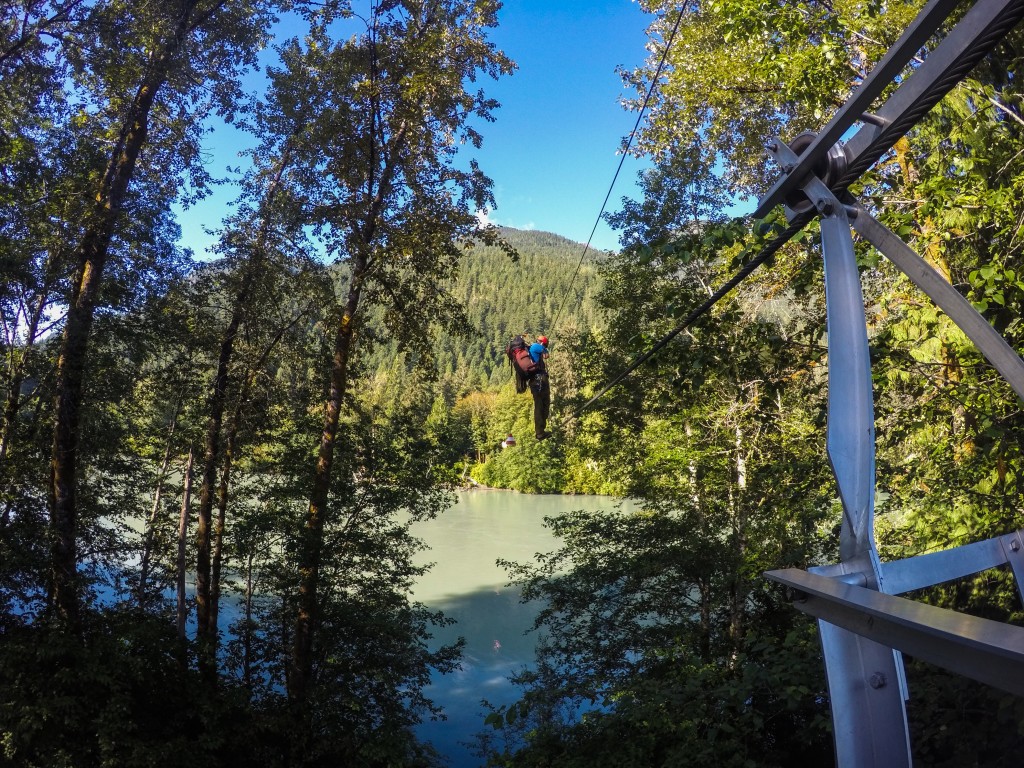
977	33
865	678
984	650
861	626
861	623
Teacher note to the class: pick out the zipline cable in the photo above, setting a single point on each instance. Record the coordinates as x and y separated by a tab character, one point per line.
622	159
766	253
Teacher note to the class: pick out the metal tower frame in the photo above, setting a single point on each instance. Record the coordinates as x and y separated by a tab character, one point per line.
864	626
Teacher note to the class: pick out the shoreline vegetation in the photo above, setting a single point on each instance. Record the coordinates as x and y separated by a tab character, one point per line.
473	485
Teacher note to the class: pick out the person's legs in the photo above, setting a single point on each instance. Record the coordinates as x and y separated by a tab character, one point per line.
541	392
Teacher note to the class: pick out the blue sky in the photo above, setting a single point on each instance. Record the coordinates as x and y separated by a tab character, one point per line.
552	152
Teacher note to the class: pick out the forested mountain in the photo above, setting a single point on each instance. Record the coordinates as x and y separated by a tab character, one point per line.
505	296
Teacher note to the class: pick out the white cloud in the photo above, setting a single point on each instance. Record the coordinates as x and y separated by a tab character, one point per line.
486	217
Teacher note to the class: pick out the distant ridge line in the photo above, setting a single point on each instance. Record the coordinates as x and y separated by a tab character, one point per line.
537	235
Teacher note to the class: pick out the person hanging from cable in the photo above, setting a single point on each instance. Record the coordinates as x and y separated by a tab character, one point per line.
540	388
530	370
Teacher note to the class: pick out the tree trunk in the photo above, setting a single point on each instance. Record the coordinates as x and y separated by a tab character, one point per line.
207	664
384	157
147	546
738	607
186	500
224	489
248	625
704	596
218	528
311	545
17	377
206	582
90	257
13	405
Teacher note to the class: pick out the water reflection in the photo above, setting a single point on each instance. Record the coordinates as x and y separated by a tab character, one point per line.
467	584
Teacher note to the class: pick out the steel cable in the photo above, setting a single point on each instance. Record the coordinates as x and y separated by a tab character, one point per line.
766	253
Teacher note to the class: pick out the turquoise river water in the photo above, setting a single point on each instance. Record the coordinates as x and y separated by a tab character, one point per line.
467	585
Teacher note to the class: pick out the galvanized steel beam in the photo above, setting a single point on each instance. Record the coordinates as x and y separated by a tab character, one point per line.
981	649
981	29
992	345
851	661
862	628
921	571
851	423
973	38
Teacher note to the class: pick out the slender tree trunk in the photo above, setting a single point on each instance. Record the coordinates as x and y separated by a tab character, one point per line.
383	157
248	626
738	608
312	536
704	595
91	257
11	407
206	582
224	489
186	501
218	528
17	377
147	546
13	403
11	481
207	664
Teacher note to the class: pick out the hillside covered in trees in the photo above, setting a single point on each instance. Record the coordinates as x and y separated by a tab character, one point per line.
506	296
262	429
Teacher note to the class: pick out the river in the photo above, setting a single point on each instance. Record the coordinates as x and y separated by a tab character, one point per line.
468	586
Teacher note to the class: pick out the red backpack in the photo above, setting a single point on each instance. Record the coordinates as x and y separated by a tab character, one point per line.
518	353
525	363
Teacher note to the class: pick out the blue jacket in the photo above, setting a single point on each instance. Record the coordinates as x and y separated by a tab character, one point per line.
538	351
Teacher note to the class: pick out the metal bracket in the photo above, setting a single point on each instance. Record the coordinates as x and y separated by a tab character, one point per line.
976	34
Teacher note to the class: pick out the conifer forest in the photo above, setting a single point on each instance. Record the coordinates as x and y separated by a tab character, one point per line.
262	427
